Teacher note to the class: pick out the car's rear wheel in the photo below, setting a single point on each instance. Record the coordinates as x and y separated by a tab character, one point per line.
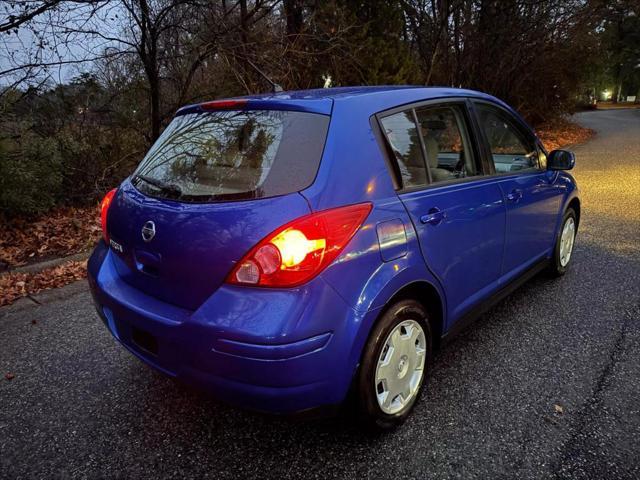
564	244
394	365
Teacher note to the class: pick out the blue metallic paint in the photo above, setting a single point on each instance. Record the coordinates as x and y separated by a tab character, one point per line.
571	193
284	350
530	218
262	338
392	239
195	246
464	251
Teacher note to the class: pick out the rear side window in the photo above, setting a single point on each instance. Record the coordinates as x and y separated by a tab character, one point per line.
234	155
402	134
449	153
430	145
510	149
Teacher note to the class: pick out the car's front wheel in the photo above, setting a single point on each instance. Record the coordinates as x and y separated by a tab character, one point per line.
564	243
394	365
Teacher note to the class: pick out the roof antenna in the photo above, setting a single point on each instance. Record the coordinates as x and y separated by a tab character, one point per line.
274	86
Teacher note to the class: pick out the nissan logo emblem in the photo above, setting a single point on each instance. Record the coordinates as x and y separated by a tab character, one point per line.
148	231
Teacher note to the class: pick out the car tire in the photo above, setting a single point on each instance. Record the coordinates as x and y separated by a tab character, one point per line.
402	322
561	256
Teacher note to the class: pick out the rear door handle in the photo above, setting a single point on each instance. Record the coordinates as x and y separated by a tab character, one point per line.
514	195
434	217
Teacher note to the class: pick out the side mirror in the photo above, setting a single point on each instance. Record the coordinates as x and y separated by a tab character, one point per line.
561	160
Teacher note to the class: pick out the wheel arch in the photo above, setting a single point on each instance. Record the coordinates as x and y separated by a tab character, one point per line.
570	201
429	297
424	292
574	203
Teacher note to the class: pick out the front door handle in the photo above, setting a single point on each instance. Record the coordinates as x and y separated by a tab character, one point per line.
514	195
434	217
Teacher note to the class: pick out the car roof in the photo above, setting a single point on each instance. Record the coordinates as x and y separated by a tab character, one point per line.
342	93
321	100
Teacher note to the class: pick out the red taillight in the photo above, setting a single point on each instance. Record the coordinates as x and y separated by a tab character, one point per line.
299	250
104	209
223	105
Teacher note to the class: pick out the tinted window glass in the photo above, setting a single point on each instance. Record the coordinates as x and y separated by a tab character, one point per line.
228	155
509	148
449	154
402	135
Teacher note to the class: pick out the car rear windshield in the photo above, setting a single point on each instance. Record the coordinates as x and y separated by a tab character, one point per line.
234	155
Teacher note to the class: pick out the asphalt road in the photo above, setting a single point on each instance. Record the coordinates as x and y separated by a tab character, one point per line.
80	406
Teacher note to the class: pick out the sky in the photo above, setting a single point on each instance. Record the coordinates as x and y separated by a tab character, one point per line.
23	47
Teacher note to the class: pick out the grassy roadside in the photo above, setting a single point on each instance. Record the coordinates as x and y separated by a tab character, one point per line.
67	231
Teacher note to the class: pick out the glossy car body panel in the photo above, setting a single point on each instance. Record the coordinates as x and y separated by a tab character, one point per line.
195	245
464	250
531	215
263	340
285	350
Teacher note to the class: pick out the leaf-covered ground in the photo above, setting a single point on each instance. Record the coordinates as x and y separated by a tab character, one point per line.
59	233
562	133
14	285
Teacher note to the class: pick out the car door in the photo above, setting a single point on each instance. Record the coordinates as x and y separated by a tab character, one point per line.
532	196
457	212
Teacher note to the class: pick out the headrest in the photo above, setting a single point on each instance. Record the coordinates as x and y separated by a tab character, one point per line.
432	148
434	124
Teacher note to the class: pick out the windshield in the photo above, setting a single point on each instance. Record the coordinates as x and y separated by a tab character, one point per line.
227	155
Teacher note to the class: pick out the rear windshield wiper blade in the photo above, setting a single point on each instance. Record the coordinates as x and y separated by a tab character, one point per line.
166	187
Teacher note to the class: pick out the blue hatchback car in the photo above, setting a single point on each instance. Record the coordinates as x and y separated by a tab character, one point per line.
286	250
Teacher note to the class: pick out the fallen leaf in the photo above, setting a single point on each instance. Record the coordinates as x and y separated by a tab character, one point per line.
61	232
14	285
561	133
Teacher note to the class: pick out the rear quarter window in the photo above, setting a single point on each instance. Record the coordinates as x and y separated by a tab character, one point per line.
234	155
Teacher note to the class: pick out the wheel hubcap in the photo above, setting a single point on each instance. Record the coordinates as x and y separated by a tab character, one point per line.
566	241
400	366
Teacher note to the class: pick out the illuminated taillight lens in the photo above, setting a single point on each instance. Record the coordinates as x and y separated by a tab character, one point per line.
104	210
299	250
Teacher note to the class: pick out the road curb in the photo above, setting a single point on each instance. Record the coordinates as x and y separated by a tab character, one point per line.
44	297
40	266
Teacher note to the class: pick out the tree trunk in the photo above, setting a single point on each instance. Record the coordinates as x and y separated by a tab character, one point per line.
149	56
293	14
244	40
154	94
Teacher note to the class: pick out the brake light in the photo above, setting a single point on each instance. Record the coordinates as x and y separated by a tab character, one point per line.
301	249
223	105
104	209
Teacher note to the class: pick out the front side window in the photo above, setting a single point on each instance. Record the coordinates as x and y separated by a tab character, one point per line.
227	155
402	135
510	150
448	150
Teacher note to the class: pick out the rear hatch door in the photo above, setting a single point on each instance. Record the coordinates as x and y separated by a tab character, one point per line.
195	246
212	186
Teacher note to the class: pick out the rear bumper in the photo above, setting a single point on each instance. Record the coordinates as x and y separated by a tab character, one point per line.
278	351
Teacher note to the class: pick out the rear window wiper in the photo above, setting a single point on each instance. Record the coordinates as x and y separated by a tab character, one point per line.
165	187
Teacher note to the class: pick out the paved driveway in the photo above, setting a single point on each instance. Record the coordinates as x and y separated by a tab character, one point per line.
80	406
